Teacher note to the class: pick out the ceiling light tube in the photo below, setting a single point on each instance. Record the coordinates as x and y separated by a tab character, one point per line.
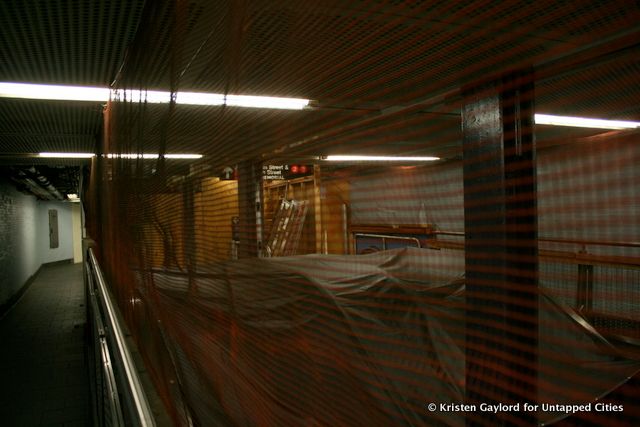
149	96
354	158
266	102
211	99
98	94
183	156
197	98
67	155
547	119
53	92
131	156
151	156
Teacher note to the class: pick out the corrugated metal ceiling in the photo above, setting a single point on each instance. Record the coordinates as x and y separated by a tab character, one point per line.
358	61
69	42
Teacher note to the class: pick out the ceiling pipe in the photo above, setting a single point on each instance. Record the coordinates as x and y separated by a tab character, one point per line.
45	183
37	184
27	185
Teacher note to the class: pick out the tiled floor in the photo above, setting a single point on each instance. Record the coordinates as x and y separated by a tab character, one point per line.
43	372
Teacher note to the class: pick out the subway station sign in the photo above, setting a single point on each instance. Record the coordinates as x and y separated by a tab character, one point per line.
271	172
289	171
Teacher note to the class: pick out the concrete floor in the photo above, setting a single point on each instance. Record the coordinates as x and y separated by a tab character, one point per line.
43	371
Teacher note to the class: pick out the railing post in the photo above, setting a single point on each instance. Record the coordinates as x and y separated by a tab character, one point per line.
584	294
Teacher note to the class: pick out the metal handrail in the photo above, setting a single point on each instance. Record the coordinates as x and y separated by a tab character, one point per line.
114	325
386	237
106	365
559	240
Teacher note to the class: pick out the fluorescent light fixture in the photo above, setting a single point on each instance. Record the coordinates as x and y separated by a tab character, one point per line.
67	155
148	156
53	92
131	156
349	158
72	196
197	98
547	119
183	156
98	94
150	96
272	102
266	102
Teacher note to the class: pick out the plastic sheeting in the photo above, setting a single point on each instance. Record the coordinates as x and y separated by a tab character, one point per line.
322	340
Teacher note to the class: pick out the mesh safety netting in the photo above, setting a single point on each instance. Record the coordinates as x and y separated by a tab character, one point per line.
268	286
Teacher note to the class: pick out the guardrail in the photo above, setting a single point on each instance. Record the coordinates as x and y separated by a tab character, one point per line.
384	238
118	396
603	286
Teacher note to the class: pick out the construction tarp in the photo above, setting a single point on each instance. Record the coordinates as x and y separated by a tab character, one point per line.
369	340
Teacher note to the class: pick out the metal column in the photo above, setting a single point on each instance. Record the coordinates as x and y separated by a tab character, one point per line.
189	229
501	248
249	196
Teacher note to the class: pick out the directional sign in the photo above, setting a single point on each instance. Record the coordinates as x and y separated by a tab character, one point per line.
271	172
228	174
